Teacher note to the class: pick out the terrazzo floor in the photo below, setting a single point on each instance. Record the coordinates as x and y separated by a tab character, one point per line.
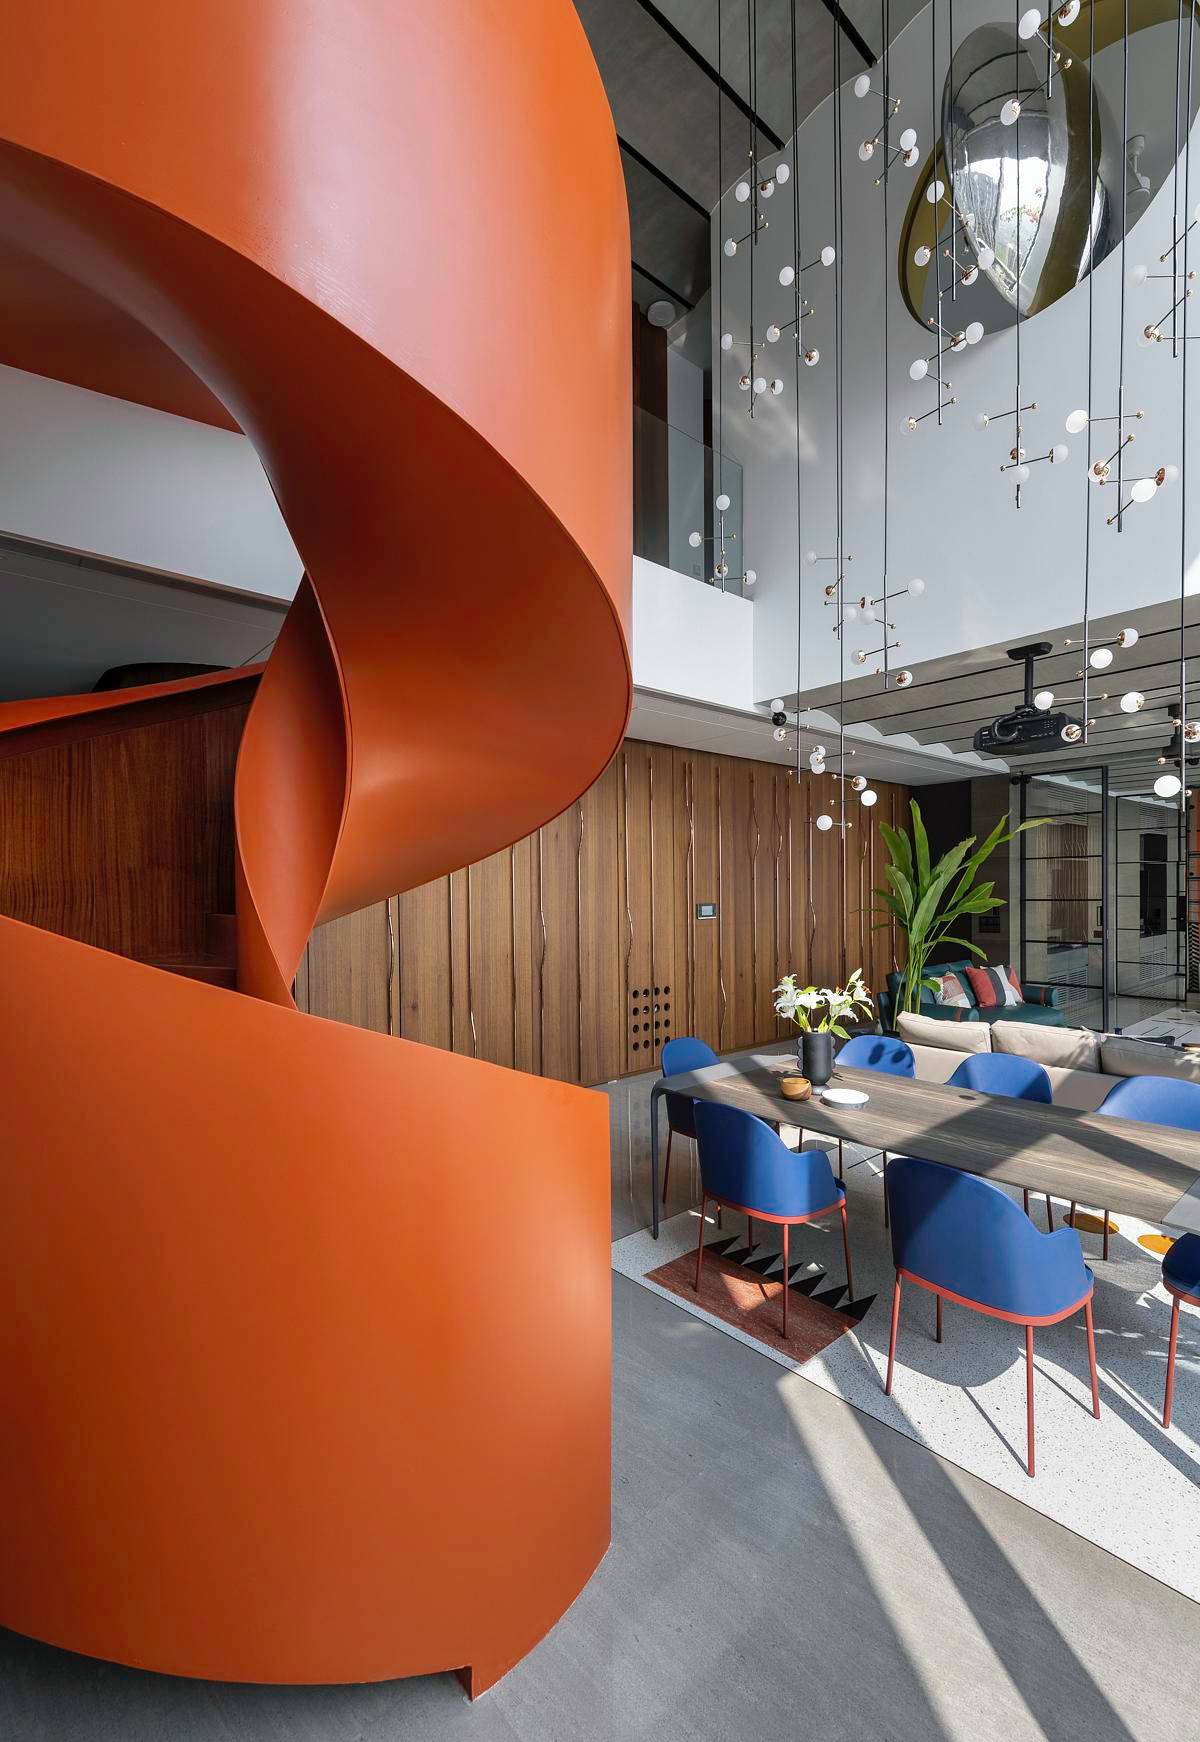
1122	1482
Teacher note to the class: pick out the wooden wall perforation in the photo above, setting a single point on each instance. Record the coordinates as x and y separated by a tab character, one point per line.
578	952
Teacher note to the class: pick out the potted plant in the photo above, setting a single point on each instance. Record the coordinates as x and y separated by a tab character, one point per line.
820	1012
929	902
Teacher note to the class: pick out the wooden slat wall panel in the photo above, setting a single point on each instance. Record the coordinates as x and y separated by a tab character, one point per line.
615	882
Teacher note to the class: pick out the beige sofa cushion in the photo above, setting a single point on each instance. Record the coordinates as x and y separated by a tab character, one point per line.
1073	1049
959	1037
1123	1057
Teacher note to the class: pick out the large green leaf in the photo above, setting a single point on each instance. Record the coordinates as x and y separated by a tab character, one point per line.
920	845
897	844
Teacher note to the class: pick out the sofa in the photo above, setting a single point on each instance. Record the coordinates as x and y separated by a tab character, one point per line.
1043	1004
1082	1065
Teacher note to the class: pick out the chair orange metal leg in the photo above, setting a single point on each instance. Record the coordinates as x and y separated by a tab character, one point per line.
895	1329
1091	1334
700	1244
846	1250
667	1165
786	1289
1029	1392
938	1298
1171	1348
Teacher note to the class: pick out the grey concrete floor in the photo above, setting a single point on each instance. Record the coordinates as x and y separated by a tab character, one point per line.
782	1566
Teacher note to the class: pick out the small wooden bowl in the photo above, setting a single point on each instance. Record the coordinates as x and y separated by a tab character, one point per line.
795	1088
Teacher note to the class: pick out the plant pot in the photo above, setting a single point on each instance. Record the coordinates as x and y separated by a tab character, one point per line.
818	1058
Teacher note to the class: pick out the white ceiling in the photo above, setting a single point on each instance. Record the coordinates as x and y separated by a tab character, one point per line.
65	620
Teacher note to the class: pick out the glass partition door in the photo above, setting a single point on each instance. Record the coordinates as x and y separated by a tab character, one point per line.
1063	934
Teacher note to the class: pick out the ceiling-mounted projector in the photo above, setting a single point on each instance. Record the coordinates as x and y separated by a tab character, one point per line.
1026	731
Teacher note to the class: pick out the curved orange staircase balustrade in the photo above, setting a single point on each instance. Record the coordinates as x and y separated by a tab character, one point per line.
304	1331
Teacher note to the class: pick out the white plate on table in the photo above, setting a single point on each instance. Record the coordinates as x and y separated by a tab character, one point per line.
845	1097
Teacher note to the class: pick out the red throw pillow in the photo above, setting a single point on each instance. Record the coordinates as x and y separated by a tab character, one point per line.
995	986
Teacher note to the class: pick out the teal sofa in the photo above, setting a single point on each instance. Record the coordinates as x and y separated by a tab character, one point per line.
1043	1003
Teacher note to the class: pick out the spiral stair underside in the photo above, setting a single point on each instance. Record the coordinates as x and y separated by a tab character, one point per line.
282	1403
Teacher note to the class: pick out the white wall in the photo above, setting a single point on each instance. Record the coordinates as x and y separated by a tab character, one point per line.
690	639
993	574
100	475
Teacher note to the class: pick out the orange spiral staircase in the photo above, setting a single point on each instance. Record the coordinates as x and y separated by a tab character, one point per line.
285	1399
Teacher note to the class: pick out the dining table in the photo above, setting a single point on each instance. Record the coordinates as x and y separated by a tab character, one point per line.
1151	1172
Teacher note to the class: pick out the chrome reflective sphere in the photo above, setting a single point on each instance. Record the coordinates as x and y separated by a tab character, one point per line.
1032	199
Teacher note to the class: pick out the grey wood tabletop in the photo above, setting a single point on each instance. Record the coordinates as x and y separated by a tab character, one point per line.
1148	1171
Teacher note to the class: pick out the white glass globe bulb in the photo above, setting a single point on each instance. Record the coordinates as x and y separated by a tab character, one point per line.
850	614
1167	785
1101	659
1137	275
1044	700
787	275
859	656
744	383
721	569
1144	489
767	188
760	384
828	255
810	556
866	150
907	139
862	85
1030	23
1132	702
919	370
782	174
1058	453
1010	112
1069	13
1128	638
695	540
868	612
1191	732
1071	733
968	278
722	503
727	341
922	256
916	587
730	248
974	332
824	823
779	734
1022	474
859	782
934	192
1171	474
911	156
902	679
812	358
750	577
1077	421
777	386
908	425
741	192
982	420
772	334
869	797
819	752
777	704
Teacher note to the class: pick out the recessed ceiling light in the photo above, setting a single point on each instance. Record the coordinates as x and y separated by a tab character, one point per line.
661	313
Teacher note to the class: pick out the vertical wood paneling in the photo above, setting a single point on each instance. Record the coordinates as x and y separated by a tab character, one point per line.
556	955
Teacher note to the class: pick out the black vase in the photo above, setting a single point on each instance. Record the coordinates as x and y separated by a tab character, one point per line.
818	1058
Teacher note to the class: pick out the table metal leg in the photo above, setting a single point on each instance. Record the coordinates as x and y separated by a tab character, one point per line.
654	1099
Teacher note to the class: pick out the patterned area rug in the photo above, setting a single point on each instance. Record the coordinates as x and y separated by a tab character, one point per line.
1122	1481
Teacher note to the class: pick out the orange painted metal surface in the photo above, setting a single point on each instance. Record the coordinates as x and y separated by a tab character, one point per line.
304	1332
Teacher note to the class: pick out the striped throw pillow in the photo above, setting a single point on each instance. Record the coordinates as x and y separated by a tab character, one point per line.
994	987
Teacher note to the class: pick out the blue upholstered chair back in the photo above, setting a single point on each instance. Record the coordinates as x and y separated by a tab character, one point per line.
1003	1073
966	1235
684	1053
878	1052
744	1162
1157	1100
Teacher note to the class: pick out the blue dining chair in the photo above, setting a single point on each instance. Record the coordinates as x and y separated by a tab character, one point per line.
877	1052
1006	1073
1164	1101
684	1053
745	1166
965	1240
